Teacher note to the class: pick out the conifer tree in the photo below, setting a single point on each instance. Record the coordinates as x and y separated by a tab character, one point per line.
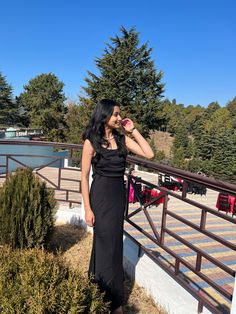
43	102
128	75
8	107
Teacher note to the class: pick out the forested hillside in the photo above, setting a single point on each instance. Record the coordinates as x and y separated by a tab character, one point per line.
204	138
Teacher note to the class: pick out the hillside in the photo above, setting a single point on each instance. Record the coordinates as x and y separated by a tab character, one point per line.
163	141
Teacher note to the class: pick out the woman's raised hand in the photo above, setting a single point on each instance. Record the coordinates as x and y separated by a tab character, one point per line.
127	125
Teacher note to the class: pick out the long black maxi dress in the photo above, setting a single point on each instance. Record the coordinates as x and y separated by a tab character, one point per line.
107	198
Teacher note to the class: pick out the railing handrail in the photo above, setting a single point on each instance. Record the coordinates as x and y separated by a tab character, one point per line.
183	174
41	143
212	183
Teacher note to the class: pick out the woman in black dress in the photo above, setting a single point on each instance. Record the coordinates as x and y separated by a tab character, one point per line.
105	149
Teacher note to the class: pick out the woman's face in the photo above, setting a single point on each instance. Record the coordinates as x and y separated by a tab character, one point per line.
115	120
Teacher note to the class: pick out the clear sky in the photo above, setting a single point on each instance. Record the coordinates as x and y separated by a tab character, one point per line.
193	41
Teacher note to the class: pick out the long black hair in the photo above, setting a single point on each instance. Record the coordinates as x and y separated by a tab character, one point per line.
95	130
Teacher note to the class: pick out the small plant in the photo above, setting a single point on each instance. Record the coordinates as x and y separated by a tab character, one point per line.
35	282
27	210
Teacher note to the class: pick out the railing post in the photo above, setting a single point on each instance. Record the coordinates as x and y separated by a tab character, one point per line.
59	178
163	221
203	219
7	166
200	307
127	195
198	262
185	189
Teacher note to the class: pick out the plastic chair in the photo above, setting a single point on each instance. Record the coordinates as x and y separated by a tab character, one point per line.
223	203
234	208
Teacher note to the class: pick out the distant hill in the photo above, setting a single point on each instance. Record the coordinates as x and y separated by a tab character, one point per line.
163	141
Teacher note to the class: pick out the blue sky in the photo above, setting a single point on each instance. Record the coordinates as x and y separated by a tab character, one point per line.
193	42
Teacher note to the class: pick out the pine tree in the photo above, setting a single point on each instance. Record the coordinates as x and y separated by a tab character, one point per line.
43	102
8	107
223	162
128	75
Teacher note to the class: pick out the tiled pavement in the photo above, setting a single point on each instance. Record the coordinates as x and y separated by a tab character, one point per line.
216	225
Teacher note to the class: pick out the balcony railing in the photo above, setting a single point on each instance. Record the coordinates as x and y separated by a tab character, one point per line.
153	228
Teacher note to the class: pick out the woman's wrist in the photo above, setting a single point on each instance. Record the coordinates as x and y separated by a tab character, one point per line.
132	130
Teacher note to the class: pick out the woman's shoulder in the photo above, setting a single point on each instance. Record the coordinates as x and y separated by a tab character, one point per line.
88	145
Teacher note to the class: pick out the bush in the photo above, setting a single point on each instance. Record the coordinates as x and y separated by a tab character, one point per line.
35	282
27	211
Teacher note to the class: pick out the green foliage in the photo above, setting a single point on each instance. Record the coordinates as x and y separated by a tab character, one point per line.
196	164
43	102
159	155
27	211
9	113
77	118
178	159
182	143
216	127
223	161
231	106
204	138
35	282
128	75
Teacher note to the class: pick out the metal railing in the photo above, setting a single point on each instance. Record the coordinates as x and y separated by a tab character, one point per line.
46	171
158	234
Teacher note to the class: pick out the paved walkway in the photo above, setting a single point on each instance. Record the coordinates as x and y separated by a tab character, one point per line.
216	225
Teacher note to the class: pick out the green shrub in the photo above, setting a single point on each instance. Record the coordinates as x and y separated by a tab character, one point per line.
27	210
35	282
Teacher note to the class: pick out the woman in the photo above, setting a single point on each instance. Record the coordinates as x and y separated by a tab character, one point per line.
105	148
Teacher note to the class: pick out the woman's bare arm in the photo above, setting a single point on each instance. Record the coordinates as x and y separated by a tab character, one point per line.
87	155
139	145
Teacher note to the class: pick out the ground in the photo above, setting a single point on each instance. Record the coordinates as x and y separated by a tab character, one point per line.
75	246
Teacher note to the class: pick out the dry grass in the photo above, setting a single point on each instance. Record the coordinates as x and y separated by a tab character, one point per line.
75	246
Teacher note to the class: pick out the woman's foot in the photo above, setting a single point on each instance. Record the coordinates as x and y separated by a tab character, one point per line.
119	310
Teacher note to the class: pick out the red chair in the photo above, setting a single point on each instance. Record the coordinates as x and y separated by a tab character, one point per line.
223	203
148	194
234	209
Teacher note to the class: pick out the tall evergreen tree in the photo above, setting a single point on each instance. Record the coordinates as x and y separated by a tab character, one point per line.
43	102
223	163
128	75
216	127
9	114
76	119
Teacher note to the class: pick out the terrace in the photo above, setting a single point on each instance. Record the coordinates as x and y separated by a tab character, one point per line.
182	250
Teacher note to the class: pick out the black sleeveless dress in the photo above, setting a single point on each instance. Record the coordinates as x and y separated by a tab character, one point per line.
107	199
